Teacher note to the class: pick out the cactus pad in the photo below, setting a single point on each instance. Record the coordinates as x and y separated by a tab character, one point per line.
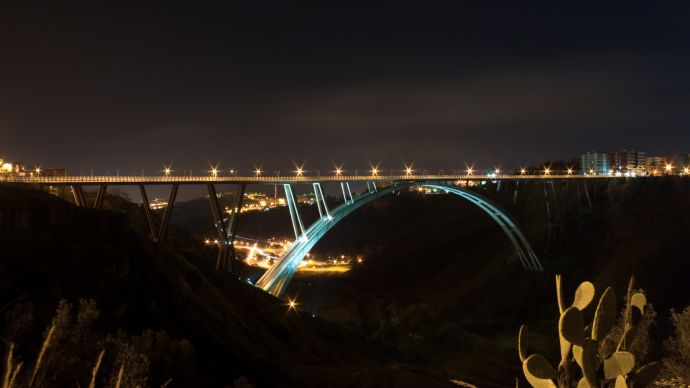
605	315
584	295
620	363
538	372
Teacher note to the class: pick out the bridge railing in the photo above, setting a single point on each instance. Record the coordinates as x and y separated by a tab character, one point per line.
105	179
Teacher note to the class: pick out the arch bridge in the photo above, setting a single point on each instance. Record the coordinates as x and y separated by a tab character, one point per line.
276	279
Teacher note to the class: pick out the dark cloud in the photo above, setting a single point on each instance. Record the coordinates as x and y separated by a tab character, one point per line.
131	86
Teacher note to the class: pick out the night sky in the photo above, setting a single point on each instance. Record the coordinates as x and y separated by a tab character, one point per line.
109	86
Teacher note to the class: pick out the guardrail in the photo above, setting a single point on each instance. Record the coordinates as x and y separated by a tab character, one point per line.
287	179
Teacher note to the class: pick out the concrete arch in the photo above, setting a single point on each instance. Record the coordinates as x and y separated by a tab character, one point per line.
276	278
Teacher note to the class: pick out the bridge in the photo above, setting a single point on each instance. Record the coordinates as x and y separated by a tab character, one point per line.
276	279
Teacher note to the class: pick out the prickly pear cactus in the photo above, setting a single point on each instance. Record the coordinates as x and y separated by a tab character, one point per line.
583	361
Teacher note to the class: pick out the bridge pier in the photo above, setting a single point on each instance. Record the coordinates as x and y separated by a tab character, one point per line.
321	201
232	224
168	212
78	194
100	196
297	224
222	261
149	214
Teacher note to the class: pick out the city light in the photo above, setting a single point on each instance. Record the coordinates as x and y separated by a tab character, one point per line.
669	167
292	304
686	170
591	171
497	171
38	171
547	171
570	171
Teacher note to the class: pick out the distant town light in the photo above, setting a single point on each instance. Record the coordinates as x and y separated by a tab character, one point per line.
668	167
686	170
292	304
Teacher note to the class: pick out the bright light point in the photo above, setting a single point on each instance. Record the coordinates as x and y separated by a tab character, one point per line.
374	171
408	170
523	171
497	171
570	171
292	304
469	170
669	167
299	171
258	171
338	171
547	171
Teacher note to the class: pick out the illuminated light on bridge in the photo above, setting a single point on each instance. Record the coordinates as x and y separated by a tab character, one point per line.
338	171
686	170
547	171
668	167
497	171
470	171
257	172
570	171
523	171
167	171
374	170
214	172
408	170
299	171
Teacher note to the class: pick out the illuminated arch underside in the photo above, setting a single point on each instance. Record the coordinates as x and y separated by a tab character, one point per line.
276	278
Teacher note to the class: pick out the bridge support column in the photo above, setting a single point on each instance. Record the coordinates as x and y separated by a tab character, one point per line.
371	187
321	201
297	224
148	213
515	193
345	186
232	224
168	212
78	194
100	196
222	261
547	202
589	200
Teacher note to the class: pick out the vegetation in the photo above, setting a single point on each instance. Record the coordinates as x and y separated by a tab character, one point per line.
589	357
74	340
677	364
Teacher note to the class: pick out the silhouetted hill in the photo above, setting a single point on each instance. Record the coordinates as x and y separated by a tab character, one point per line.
50	250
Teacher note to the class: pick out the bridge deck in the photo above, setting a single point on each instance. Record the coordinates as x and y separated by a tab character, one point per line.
164	180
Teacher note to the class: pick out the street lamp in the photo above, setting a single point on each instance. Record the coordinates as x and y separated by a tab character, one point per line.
257	172
214	172
547	171
669	168
497	171
470	170
523	171
374	170
299	171
338	171
167	171
570	171
408	170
